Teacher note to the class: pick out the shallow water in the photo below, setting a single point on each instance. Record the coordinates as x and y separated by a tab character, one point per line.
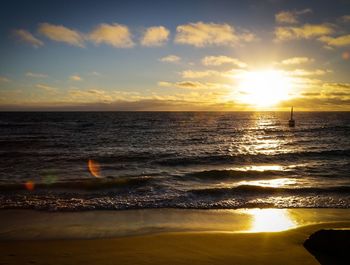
179	159
29	225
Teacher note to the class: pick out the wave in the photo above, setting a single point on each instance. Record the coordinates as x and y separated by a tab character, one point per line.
234	174
260	158
86	184
233	198
260	190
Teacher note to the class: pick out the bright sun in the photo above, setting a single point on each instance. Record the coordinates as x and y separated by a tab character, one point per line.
263	88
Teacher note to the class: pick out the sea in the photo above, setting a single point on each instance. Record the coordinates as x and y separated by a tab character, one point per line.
75	161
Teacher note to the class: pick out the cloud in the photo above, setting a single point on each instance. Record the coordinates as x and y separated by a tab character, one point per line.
219	60
306	31
318	103
330	96
155	36
232	73
338	87
152	104
4	79
170	59
90	95
75	78
286	17
247	36
303	72
297	60
116	35
191	85
27	37
199	74
290	17
345	19
202	34
62	34
36	75
94	73
340	41
46	87
308	94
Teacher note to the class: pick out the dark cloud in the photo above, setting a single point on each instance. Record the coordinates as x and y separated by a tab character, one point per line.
142	105
318	103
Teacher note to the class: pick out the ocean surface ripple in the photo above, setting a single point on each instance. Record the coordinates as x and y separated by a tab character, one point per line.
67	161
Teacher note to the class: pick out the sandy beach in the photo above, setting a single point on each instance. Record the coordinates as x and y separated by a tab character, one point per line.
154	236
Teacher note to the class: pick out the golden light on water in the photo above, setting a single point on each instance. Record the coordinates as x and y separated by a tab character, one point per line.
270	220
94	168
264	167
273	183
264	88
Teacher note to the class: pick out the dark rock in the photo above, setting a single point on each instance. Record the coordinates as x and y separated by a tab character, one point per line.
330	247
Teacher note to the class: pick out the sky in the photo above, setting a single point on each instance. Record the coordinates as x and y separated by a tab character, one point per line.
175	55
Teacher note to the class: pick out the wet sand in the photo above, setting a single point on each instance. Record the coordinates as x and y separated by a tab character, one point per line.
205	240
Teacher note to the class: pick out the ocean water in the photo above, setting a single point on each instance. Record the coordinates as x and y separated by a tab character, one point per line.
173	159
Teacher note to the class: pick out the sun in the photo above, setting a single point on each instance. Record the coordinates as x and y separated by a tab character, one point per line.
263	88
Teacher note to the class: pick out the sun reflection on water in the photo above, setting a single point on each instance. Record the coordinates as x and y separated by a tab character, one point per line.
273	183
270	220
260	168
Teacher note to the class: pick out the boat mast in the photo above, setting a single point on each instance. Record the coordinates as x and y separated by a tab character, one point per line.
291	114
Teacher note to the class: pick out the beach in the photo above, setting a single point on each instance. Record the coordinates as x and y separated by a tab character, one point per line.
162	236
175	132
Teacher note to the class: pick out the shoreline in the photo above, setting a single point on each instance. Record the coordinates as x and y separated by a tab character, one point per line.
42	225
164	236
273	248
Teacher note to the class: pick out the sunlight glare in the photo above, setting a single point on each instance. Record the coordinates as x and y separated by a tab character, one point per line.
264	88
270	220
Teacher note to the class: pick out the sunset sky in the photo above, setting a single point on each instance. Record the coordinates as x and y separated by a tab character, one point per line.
175	55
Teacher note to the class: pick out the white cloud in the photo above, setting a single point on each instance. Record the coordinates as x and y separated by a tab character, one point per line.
297	60
202	34
62	34
93	94
36	75
199	74
290	17
303	72
27	37
306	31
155	36
192	85
170	59
116	35
90	95
46	87
75	78
219	60
94	73
340	41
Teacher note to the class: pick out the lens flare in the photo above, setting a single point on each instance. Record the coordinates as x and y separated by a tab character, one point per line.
346	56
29	185
94	168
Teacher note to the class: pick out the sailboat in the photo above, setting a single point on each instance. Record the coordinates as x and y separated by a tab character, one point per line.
291	122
